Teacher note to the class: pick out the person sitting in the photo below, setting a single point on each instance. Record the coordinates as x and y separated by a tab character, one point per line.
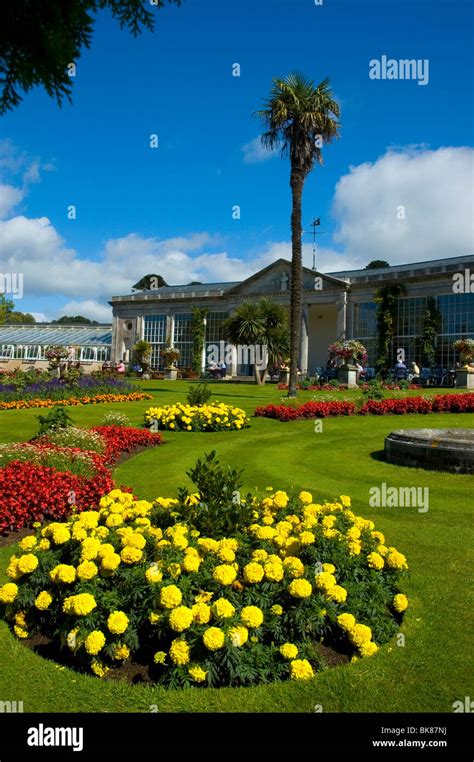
214	370
400	370
222	369
120	367
414	374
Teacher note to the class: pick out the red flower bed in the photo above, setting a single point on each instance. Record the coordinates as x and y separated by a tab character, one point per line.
448	403
306	410
121	439
29	492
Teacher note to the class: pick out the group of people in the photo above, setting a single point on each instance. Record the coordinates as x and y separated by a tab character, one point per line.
218	370
118	367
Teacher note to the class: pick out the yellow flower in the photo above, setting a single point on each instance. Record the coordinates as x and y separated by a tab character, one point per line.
191	563
90	548
337	593
280	499
300	588
224	574
289	651
170	596
213	638
277	609
197	673
8	592
260	555
87	570
20	632
110	562
360	634
305	497
174	569
81	604
346	621
160	657
226	554
27	563
179	652
223	609
253	572
99	669
368	649
44	544
63	573
274	570
60	534
375	561
293	566
180	618
396	560
324	581
117	622
43	600
94	642
238	635
345	500
121	652
329	568
201	613
301	669
153	574
251	616
130	555
400	602
28	543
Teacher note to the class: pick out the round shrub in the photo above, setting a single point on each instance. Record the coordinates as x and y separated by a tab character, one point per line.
138	579
215	416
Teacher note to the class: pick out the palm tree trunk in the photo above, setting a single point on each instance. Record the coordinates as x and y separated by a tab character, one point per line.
296	184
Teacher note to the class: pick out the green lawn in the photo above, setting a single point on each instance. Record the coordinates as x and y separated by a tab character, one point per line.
427	674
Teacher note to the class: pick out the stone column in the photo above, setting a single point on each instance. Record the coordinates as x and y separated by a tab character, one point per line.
304	344
341	323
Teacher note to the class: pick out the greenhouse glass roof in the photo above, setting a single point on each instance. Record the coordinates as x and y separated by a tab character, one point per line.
62	335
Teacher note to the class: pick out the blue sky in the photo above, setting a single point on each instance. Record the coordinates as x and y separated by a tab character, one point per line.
171	207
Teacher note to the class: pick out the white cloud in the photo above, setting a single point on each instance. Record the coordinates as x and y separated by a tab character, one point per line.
254	152
10	197
89	309
434	187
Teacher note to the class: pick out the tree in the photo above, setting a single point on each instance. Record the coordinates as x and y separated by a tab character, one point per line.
263	324
376	264
149	283
198	332
386	299
6	308
20	317
40	41
141	354
77	319
300	118
431	327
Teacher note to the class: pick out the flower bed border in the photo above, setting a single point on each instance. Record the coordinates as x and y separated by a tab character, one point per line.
441	403
74	401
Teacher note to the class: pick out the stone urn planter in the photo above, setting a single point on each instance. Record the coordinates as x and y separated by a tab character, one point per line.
347	375
465	378
171	374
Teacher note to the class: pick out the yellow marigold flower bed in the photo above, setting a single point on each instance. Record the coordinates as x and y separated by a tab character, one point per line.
198	588
215	416
95	400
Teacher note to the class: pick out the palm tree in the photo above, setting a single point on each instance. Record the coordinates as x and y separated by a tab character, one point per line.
300	118
260	323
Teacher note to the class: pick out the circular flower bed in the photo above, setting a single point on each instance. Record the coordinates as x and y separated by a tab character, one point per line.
215	416
141	582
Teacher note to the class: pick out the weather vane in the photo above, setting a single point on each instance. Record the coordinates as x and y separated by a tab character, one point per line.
315	223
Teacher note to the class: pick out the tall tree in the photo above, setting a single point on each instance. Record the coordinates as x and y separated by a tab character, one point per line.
386	299
73	320
23	318
299	118
149	282
431	327
376	264
260	323
6	308
40	40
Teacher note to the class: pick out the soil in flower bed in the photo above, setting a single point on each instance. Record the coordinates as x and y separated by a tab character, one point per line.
134	672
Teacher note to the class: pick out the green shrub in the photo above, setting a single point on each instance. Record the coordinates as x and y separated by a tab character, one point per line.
57	418
198	394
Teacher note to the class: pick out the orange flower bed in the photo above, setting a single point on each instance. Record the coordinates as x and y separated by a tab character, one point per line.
25	404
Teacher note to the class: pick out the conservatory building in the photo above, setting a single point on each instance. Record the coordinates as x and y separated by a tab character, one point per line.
336	305
23	346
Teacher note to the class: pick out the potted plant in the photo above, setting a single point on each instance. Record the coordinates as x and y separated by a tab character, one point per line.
55	355
350	351
170	356
141	355
465	374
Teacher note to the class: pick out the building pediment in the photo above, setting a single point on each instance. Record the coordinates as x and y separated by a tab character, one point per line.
276	279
